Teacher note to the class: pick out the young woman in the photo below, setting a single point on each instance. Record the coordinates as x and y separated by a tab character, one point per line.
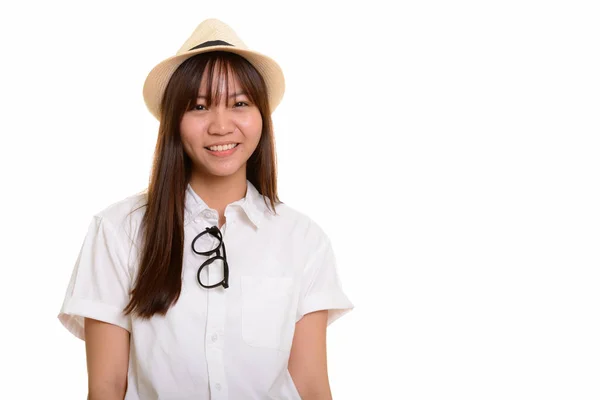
207	286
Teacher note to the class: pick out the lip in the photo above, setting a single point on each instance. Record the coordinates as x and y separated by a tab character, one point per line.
221	144
226	153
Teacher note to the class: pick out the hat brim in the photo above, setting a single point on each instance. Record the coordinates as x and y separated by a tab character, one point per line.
158	78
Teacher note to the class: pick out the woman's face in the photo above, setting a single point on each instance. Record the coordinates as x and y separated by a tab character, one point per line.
233	121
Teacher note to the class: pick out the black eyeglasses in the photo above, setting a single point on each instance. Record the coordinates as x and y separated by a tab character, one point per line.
214	231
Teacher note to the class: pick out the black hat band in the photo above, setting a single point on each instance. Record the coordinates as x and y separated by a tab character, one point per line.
211	43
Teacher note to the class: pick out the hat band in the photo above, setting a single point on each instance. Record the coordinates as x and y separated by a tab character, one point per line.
211	43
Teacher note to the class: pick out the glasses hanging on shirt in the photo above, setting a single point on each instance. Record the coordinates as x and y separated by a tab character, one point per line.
214	231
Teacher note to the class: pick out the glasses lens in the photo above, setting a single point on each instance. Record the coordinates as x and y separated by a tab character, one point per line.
213	272
206	243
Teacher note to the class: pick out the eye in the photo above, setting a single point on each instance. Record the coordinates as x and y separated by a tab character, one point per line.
242	103
197	107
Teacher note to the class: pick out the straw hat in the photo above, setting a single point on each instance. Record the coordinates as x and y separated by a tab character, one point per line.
212	35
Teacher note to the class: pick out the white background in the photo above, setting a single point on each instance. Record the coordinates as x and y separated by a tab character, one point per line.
449	149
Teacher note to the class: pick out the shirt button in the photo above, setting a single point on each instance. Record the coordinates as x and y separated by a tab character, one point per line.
214	337
207	214
218	386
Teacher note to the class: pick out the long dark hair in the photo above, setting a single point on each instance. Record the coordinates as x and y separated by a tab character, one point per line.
158	283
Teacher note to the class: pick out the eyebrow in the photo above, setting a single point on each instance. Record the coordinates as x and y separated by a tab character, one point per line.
230	96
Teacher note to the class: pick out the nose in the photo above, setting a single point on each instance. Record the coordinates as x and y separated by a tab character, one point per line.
221	123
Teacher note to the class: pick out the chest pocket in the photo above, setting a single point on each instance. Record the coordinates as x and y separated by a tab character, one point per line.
267	315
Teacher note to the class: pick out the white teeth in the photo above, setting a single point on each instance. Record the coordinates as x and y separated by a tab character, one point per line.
223	148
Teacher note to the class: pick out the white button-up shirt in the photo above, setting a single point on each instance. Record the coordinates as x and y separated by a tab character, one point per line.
215	343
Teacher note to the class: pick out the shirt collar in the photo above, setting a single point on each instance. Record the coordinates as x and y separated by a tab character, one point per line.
252	203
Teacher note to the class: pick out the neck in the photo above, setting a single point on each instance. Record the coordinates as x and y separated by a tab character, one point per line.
217	191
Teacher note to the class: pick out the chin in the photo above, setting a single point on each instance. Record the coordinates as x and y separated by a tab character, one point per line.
222	172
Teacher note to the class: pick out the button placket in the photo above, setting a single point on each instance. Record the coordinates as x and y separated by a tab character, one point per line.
215	322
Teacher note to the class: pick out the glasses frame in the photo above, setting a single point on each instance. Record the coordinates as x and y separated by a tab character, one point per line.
214	231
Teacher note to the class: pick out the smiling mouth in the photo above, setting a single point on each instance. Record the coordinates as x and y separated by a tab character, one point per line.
222	148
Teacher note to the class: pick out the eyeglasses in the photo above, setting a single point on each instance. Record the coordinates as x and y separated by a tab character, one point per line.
214	231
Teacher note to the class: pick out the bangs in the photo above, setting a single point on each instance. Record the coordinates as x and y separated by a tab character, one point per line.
181	93
220	67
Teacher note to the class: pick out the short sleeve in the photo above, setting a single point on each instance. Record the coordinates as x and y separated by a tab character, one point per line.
100	282
321	286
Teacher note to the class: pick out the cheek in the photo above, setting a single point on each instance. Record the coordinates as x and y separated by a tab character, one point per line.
187	146
186	138
252	125
184	130
190	132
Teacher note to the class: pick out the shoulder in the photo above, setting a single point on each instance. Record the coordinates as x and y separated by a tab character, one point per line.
124	216
295	220
126	210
